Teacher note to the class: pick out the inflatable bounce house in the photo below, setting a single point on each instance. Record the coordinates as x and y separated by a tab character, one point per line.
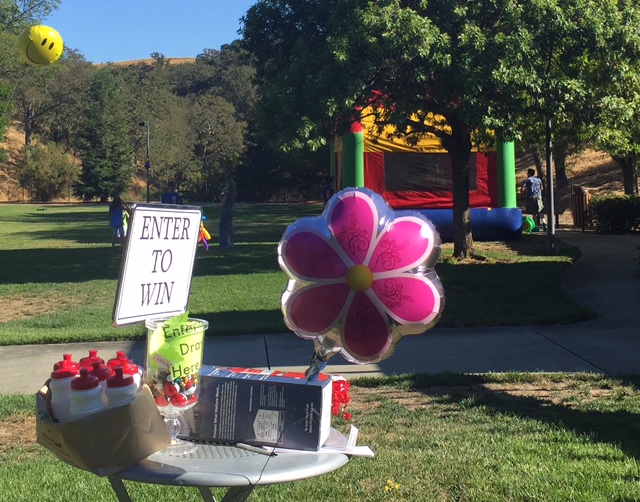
418	177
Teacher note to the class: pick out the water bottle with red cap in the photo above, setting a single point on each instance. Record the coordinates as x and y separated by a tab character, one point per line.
60	386
88	361
69	361
128	366
103	372
121	388
120	360
85	395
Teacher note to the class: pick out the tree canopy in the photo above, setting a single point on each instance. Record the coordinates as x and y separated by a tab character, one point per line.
494	66
479	65
196	113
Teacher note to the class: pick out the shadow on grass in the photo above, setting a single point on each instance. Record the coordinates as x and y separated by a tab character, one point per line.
245	258
507	294
618	427
79	235
538	245
253	322
475	294
97	263
59	265
253	223
89	224
94	215
263	223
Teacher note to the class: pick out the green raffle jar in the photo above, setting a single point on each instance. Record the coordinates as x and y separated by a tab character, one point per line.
173	361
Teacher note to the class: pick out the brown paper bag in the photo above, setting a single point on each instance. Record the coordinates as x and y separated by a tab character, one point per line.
106	442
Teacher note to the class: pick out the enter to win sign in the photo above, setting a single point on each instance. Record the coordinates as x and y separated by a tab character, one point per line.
155	277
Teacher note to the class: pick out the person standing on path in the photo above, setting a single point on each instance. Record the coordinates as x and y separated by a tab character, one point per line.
532	188
327	189
118	212
227	200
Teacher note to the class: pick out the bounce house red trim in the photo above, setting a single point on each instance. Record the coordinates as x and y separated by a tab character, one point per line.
485	195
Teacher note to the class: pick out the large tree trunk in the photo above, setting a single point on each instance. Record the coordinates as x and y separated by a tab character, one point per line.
560	154
27	114
459	147
538	160
629	166
560	165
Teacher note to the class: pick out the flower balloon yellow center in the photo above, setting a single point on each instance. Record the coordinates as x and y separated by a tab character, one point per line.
359	278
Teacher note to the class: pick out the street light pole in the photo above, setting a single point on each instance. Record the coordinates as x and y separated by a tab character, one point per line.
550	198
147	164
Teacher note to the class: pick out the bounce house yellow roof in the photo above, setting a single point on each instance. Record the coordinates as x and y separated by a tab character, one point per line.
387	141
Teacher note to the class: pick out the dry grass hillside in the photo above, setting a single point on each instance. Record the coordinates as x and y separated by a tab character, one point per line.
14	140
591	169
9	189
150	61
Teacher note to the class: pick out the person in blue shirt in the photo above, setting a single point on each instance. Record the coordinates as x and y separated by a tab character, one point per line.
172	196
532	188
118	214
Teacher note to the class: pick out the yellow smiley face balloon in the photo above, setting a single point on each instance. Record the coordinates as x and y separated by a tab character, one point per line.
40	45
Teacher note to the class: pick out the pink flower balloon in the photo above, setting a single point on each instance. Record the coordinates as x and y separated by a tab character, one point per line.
360	276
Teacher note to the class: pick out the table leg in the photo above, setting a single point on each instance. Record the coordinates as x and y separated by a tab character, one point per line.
234	494
238	493
207	496
121	492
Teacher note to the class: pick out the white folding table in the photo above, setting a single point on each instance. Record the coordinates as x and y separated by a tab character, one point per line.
209	465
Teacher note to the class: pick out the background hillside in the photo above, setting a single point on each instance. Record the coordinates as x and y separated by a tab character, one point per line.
595	170
10	191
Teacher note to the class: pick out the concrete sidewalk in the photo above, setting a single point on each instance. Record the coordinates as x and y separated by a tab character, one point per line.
603	279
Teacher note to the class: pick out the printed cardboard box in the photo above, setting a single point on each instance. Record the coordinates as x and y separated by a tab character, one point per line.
261	407
106	442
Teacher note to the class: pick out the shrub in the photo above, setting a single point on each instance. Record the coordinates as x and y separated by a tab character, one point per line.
615	214
45	172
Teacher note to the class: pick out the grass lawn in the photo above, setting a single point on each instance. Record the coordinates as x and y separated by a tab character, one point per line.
59	277
493	437
507	437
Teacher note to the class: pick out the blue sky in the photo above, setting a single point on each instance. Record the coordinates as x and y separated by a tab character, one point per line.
121	30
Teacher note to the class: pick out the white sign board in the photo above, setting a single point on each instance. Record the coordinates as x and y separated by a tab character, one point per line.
155	277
